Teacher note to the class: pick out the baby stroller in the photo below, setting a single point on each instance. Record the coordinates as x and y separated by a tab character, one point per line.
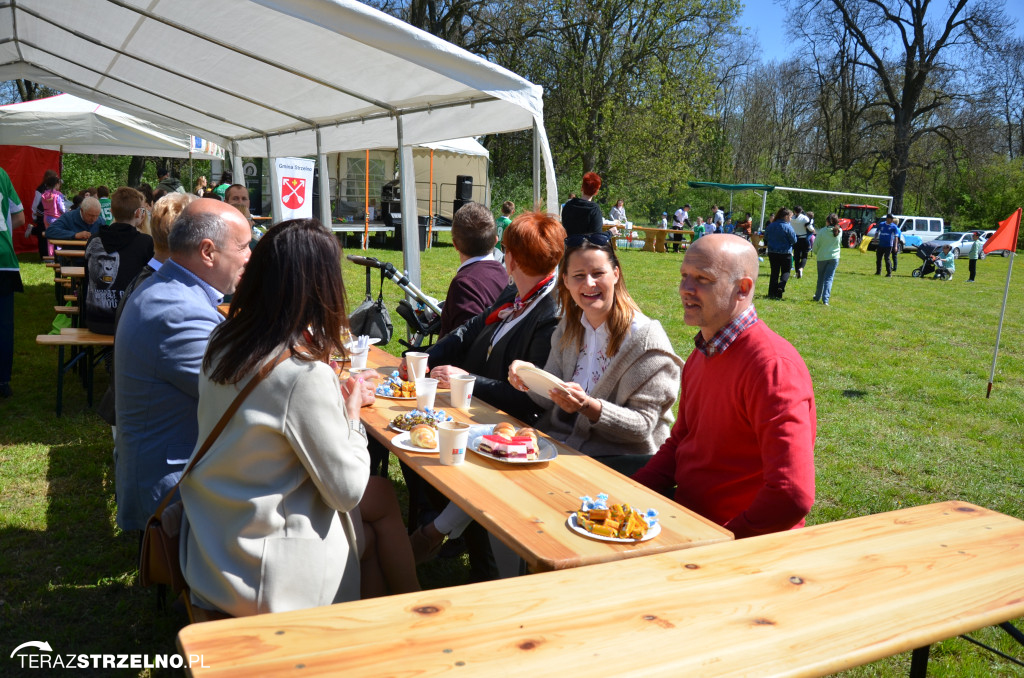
421	313
925	251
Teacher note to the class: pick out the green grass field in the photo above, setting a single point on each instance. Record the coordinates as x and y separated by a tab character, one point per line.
900	368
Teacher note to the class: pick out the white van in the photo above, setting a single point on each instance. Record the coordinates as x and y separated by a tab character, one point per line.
925	228
914	230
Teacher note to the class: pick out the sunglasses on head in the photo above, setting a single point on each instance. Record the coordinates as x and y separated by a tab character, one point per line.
599	239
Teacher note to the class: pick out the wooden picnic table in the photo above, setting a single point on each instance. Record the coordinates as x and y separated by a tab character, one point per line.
73	271
526	506
654	238
806	602
69	243
66	253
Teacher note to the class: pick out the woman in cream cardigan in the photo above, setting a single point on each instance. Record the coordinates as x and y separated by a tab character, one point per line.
269	509
622	373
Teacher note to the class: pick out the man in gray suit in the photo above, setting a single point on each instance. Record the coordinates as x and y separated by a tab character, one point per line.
164	328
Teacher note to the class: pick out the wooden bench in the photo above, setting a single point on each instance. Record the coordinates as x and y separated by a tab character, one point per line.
66	310
806	602
83	342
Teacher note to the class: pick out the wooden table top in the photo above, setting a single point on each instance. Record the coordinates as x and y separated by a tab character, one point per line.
73	271
69	254
526	506
68	243
804	602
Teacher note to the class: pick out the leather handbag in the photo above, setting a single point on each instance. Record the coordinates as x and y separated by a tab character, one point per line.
159	563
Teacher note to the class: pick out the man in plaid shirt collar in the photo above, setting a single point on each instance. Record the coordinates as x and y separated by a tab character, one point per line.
741	452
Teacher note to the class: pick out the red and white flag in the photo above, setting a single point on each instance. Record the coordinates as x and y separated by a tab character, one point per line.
292	179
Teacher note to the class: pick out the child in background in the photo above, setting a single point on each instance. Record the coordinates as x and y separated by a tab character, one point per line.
53	201
103	195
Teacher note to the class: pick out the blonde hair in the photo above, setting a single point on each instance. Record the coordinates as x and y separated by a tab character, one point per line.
165	212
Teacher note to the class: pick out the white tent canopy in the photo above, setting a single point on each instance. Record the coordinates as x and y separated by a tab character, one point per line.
273	77
71	125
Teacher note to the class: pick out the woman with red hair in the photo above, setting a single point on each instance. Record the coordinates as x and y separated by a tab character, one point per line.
583	215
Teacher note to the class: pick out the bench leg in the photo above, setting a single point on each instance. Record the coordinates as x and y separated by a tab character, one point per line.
60	378
919	662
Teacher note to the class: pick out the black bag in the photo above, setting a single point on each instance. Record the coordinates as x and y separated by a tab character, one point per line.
372	318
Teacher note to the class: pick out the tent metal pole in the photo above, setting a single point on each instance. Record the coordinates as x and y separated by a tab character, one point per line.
410	233
536	167
325	184
764	203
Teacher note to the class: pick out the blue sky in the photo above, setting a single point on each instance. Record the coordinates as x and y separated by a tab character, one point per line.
768	20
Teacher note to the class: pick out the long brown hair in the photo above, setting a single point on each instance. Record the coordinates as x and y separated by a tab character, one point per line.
622	312
291	296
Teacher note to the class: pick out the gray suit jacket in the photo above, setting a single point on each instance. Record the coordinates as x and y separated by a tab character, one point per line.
161	338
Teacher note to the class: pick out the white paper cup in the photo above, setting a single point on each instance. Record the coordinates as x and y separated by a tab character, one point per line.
462	391
417	365
357	359
452	438
426	391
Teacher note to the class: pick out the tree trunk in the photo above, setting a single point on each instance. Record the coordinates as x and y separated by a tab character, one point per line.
135	168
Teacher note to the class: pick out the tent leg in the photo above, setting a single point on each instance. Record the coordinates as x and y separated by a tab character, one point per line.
536	167
325	184
410	232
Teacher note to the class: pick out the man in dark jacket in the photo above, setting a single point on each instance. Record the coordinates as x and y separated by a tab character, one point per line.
113	257
79	224
168	182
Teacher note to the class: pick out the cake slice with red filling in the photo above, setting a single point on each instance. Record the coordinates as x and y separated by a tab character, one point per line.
516	447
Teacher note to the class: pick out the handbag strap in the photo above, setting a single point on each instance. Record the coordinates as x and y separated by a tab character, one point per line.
225	418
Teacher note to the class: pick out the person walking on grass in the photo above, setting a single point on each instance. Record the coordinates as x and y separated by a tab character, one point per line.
779	239
888	236
826	249
975	254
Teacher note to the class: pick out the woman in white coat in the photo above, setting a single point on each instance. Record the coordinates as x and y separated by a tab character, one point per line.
269	524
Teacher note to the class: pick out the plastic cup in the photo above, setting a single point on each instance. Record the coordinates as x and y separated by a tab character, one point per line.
426	391
417	365
452	438
357	359
462	391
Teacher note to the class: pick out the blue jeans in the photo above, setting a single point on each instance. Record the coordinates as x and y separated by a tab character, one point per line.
826	272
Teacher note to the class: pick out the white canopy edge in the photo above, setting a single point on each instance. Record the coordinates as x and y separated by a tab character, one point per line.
72	125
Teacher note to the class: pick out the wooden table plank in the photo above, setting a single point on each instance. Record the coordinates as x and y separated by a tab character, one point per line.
799	603
73	271
526	506
68	243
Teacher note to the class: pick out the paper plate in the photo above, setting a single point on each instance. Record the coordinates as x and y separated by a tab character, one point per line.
545	452
539	381
403	441
652	532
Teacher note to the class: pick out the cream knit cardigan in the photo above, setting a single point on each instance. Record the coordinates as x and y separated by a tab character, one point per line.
637	391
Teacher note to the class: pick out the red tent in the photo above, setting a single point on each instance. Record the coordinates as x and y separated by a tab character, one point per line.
26	165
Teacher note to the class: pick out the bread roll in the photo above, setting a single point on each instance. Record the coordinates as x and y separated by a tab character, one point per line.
504	429
423	435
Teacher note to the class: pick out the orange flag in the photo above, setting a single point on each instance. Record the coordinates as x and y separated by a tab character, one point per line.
1005	237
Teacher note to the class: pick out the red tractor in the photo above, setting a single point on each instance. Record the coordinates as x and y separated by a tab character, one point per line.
855	221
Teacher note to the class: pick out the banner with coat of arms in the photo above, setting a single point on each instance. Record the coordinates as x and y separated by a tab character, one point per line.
292	185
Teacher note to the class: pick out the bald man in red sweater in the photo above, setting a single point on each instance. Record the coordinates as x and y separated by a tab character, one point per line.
741	452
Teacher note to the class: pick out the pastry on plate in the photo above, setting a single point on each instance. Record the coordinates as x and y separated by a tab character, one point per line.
423	435
504	429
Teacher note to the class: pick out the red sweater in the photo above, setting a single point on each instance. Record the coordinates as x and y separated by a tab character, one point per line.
741	452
